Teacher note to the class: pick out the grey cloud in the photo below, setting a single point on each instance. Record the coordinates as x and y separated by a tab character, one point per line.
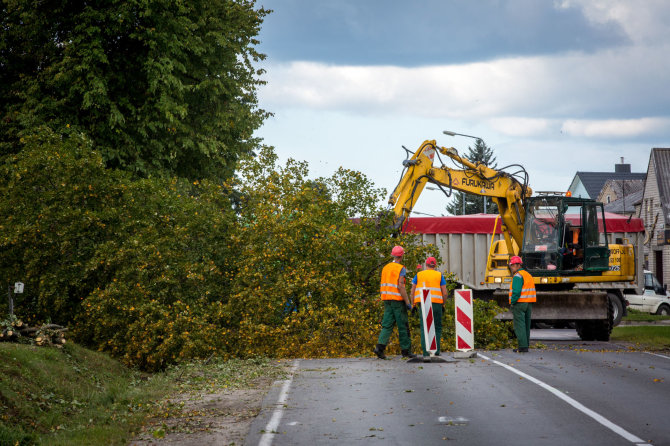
428	32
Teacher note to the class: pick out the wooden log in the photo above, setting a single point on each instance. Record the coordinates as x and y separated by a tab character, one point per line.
29	331
52	327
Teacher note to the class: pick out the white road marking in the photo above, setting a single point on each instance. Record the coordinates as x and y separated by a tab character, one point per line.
656	354
577	405
453	420
273	424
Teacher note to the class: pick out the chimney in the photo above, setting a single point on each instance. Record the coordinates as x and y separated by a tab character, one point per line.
622	168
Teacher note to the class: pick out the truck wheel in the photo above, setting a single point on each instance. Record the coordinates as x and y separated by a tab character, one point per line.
617	308
664	310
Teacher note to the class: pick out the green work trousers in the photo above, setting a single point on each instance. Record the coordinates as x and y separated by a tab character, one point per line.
437	317
395	313
521	312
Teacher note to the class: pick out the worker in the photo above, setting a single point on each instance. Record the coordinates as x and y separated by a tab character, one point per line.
521	298
433	280
396	304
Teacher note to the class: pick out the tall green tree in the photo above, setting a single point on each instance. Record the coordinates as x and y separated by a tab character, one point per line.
159	86
474	204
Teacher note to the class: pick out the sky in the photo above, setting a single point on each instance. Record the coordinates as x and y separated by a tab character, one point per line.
558	86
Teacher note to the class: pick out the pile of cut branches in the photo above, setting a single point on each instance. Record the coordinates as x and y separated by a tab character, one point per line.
14	330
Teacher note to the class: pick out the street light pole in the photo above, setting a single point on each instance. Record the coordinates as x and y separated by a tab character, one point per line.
447	132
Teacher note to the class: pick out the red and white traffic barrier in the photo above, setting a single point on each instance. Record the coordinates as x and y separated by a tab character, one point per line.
428	321
465	330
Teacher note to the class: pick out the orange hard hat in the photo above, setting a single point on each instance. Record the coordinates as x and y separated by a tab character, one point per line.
515	260
397	251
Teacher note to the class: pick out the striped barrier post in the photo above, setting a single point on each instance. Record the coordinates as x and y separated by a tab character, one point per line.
465	330
428	321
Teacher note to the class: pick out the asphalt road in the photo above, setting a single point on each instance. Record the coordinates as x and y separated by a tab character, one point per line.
569	393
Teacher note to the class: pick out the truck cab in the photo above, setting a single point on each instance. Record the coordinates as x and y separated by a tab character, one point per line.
654	300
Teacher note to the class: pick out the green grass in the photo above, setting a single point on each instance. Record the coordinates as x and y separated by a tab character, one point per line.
77	396
638	316
650	337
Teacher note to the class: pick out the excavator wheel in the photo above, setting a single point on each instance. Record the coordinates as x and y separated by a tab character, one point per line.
617	308
585	330
597	330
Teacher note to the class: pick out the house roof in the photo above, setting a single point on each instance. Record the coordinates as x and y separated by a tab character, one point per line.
661	160
594	181
623	187
625	204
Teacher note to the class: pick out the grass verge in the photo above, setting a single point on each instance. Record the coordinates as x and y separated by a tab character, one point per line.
77	396
638	316
649	337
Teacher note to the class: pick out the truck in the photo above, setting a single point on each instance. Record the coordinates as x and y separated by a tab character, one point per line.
581	276
655	298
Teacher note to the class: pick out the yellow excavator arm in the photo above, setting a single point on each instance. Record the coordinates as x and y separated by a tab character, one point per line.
503	189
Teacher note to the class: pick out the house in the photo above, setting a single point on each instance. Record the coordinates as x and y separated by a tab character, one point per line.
590	184
626	205
620	196
654	210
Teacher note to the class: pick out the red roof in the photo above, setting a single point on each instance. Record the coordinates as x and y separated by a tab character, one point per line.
483	224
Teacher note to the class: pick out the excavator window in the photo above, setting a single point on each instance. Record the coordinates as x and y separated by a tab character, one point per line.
584	246
596	250
541	237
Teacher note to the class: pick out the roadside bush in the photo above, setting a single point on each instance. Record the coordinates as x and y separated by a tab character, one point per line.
134	265
164	301
59	203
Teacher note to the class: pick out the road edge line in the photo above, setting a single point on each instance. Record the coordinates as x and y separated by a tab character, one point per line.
273	424
656	354
574	403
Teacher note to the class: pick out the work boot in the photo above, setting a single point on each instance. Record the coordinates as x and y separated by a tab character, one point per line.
379	351
407	354
521	350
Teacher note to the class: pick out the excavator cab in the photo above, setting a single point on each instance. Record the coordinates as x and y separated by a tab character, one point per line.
564	236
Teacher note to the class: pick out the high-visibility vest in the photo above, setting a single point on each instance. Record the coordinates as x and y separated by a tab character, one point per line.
527	290
389	286
432	280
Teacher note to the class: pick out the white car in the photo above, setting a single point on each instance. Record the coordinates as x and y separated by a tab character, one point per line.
654	300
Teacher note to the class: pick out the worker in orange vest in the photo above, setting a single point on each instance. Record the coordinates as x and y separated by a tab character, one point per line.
396	304
521	298
433	280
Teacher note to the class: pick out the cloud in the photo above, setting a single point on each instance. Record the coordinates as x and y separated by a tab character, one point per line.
616	127
611	85
645	22
430	32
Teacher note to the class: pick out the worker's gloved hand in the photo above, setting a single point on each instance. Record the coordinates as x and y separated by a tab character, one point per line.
409	306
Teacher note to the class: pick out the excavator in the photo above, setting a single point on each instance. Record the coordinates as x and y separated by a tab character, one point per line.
580	278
